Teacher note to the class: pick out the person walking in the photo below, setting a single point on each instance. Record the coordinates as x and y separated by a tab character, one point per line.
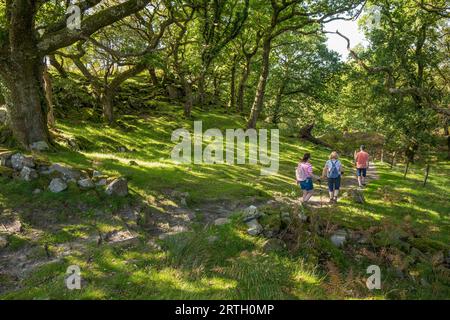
362	164
304	176
333	170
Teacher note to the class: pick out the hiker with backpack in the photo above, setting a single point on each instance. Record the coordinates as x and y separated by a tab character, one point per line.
304	176
362	164
333	170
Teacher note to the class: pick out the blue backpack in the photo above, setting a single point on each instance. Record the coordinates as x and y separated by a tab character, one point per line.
333	172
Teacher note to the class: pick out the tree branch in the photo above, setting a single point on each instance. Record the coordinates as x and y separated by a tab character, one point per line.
53	41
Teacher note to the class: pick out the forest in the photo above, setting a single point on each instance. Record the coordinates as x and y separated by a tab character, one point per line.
98	97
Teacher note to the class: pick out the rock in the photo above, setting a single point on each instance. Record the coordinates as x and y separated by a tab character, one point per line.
86	183
18	161
221	221
96	173
11	225
39	146
424	282
339	238
163	236
212	239
28	174
286	218
269	233
152	244
357	196
101	182
303	217
3	242
5	158
57	185
121	238
251	213
37	191
68	173
274	245
118	187
254	228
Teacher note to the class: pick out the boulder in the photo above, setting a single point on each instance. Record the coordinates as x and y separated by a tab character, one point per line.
118	187
67	173
37	191
274	245
152	244
221	221
28	174
251	213
18	161
86	183
122	238
339	238
5	158
101	182
254	228
11	225
303	217
212	239
39	146
96	174
356	196
57	185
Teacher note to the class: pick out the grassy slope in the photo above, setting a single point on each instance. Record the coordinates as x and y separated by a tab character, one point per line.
233	267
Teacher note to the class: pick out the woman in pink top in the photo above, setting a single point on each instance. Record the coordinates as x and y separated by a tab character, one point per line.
304	176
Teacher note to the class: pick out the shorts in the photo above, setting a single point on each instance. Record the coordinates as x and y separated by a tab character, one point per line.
306	185
334	183
361	172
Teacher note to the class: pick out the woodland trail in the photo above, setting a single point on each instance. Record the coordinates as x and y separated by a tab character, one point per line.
349	180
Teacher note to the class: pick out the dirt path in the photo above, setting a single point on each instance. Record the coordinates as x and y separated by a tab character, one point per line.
349	180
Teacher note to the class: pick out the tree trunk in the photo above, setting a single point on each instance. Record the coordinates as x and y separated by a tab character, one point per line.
21	71
411	151
306	134
393	159
448	147
242	86
406	169
277	108
232	103
258	102
107	105
153	77
49	97
26	102
427	172
189	101
216	90
201	89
